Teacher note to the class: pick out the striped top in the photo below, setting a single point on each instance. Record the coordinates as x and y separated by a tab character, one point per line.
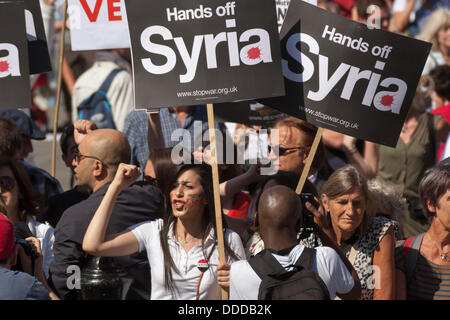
431	281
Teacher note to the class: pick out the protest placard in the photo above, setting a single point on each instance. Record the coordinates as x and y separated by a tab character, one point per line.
188	53
341	75
15	89
248	112
98	24
38	54
282	7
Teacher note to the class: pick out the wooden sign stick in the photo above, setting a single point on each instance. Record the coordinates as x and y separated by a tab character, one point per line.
217	204
58	92
309	161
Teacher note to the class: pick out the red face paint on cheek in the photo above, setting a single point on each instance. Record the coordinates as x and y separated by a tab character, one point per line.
195	202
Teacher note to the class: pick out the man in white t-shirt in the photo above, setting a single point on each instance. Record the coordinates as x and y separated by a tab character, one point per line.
279	213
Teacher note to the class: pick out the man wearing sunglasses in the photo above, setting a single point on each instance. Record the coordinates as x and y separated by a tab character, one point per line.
60	202
290	142
99	153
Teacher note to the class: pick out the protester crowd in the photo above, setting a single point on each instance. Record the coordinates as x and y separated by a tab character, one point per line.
371	222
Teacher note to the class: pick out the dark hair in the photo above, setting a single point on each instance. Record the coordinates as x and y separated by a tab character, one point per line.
10	138
433	186
441	79
362	5
163	166
308	134
29	203
67	132
208	223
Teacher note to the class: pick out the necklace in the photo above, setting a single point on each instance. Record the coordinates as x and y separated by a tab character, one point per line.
444	255
185	241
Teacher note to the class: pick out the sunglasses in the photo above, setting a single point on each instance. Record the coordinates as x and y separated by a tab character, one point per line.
280	151
7	183
79	157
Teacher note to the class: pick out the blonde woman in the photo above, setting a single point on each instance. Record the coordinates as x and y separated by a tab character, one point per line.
437	31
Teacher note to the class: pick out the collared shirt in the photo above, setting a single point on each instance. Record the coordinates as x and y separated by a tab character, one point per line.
136	129
185	283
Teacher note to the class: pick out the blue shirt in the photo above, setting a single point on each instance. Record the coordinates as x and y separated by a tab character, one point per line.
136	128
16	285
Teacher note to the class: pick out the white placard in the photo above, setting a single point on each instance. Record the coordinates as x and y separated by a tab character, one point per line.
282	7
98	24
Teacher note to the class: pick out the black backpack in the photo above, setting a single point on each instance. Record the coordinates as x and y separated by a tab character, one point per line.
301	283
96	107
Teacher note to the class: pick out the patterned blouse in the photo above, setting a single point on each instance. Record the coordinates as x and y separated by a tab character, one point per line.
365	248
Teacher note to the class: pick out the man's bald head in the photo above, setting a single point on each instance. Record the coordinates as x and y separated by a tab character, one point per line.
109	145
279	207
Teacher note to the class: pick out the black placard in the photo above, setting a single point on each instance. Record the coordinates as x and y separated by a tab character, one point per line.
247	112
38	54
341	75
235	43
14	72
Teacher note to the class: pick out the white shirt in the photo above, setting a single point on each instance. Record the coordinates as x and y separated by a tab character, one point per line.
244	281
400	5
120	93
148	236
44	233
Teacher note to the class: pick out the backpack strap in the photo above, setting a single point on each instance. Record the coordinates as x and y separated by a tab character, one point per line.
105	85
265	264
306	259
410	256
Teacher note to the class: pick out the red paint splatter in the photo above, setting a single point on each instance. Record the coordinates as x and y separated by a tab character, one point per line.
387	100
254	53
194	202
4	66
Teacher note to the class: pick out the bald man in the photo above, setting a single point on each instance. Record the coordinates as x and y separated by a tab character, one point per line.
278	217
96	161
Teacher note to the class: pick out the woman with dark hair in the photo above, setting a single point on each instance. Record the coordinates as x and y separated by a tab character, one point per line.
423	261
160	168
367	240
181	247
17	194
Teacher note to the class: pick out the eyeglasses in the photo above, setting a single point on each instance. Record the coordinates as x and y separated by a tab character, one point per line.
150	179
280	151
79	157
7	183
